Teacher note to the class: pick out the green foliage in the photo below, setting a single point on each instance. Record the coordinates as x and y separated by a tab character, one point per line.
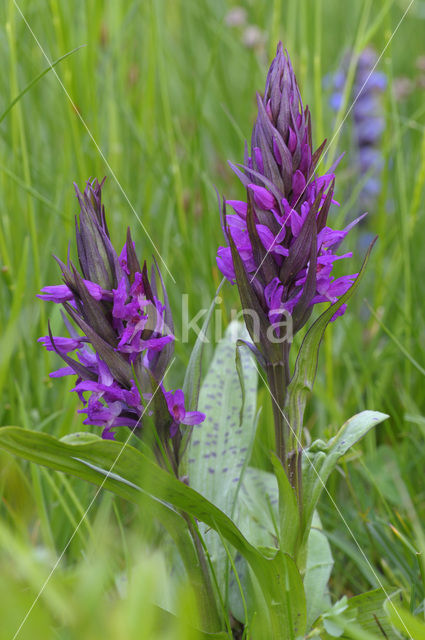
318	570
220	447
166	90
97	597
321	458
405	622
121	469
370	614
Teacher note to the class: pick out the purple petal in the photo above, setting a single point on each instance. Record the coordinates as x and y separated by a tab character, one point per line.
56	293
96	291
225	263
107	434
239	207
120	297
63	345
292	141
63	371
298	185
193	417
259	159
156	344
263	198
273	294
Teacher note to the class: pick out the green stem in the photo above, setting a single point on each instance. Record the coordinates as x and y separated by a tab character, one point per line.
287	428
276	378
205	592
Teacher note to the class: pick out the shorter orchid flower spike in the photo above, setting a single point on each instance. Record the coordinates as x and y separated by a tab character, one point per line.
121	339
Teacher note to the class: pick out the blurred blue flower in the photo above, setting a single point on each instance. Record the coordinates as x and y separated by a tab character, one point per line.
368	118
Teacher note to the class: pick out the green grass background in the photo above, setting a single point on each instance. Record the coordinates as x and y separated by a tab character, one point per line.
167	90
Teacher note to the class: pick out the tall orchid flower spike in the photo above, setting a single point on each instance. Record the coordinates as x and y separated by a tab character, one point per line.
281	251
280	233
125	340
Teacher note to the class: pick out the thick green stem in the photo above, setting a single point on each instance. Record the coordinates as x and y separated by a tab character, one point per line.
276	378
287	431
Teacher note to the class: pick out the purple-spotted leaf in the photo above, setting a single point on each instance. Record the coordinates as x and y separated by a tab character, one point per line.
219	448
258	512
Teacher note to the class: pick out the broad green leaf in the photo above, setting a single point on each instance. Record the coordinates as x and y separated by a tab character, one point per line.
75	459
371	609
121	469
302	381
406	622
350	433
318	571
285	599
129	473
220	446
258	515
295	616
236	605
321	458
258	518
80	437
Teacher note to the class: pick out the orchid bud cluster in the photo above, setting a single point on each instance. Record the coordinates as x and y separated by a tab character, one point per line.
125	344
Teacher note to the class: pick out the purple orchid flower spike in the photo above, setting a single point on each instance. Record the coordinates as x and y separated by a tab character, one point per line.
280	234
126	342
280	246
281	251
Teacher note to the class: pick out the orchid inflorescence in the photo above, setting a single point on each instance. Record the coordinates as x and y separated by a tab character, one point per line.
281	251
280	232
126	345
